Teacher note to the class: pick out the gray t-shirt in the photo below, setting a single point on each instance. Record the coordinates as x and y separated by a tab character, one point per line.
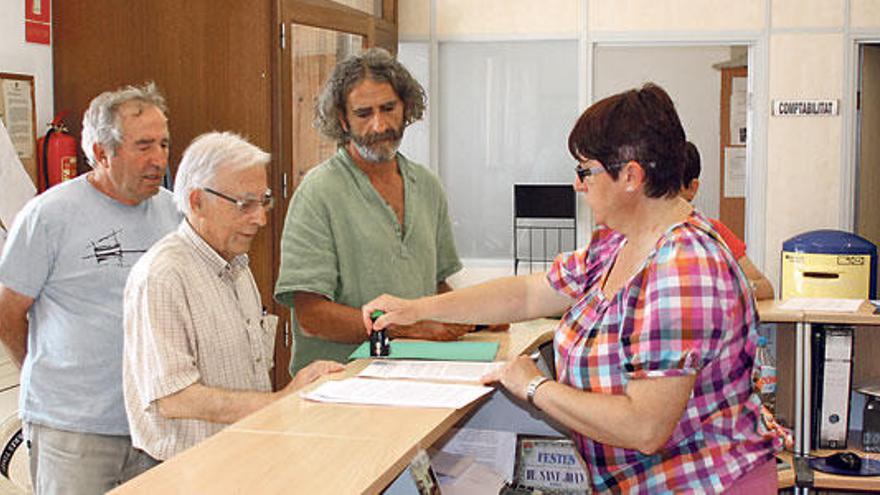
71	249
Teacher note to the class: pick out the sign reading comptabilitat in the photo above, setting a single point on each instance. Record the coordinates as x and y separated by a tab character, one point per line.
805	108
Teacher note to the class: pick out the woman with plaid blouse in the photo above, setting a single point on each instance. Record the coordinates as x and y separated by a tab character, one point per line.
654	352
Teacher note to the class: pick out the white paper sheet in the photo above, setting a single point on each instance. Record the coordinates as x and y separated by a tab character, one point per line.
449	464
477	479
495	449
738	110
14	180
871	389
19	109
822	304
734	172
396	393
457	371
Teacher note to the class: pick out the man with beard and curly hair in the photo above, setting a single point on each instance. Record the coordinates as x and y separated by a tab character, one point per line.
368	220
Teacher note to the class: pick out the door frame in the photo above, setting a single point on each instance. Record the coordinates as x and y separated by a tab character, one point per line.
758	114
849	166
324	14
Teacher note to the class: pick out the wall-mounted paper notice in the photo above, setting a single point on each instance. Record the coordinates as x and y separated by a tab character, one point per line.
19	108
738	110
17	185
735	172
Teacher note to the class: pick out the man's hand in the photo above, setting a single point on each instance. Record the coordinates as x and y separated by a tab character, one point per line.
502	327
430	330
403	318
14	308
311	373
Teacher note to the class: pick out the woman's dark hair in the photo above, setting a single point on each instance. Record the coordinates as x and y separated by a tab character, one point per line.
637	125
692	167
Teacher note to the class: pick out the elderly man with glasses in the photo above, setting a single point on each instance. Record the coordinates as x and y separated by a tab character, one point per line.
198	347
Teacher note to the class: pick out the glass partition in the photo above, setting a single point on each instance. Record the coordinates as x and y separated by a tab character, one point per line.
506	109
315	52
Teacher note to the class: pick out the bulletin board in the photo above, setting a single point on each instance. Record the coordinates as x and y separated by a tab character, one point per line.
18	111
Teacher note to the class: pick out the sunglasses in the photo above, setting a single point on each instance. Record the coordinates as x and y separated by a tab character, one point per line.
247	206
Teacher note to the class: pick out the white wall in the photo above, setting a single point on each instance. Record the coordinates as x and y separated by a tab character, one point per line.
19	57
802	168
686	73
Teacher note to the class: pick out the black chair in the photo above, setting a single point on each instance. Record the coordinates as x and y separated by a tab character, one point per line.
544	223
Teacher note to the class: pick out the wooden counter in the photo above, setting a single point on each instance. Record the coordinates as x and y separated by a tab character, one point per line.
864	316
828	481
770	312
299	446
785	476
294	445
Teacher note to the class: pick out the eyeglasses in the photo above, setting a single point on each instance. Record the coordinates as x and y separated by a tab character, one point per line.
584	172
247	206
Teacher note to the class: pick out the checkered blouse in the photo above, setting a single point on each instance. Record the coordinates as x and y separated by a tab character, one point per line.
687	311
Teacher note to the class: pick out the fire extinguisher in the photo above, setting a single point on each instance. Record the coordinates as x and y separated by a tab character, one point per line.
56	161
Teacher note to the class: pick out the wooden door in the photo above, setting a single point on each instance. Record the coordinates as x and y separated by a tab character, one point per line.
222	65
212	59
317	35
731	204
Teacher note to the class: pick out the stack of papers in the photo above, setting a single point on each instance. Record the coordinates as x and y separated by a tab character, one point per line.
474	462
396	393
474	479
494	449
872	389
822	304
429	370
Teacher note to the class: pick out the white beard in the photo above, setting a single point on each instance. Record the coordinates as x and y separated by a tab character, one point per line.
376	154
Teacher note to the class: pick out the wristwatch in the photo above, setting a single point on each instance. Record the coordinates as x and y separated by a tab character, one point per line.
533	387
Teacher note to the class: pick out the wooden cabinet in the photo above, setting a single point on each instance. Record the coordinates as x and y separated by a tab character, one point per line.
222	65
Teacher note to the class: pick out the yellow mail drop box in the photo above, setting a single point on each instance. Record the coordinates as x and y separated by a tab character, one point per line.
828	263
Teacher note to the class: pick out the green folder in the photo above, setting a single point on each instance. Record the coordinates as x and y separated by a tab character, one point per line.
435	351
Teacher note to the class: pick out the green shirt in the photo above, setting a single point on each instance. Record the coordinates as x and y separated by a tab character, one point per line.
343	241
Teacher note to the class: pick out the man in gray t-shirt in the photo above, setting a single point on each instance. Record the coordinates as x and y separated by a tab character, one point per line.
62	274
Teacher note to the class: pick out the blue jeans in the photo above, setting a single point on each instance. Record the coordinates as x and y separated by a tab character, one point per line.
81	463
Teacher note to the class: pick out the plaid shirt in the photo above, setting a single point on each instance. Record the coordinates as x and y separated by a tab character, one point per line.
687	311
190	317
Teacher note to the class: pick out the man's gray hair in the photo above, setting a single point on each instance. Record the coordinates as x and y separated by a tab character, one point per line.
101	123
378	65
207	156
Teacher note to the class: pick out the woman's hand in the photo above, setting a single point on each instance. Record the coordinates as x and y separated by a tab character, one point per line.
514	375
397	311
